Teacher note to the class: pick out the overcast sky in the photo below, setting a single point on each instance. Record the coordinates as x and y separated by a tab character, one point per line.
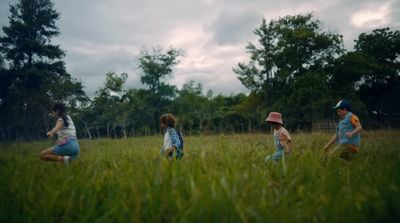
101	36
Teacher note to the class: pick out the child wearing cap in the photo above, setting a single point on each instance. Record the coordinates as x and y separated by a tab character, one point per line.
281	136
347	136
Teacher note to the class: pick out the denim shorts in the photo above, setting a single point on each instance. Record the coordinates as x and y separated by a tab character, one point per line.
71	148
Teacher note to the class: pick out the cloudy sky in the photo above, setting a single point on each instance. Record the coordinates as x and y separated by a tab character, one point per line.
101	36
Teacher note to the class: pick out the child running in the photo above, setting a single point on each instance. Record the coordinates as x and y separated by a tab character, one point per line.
173	143
347	136
281	137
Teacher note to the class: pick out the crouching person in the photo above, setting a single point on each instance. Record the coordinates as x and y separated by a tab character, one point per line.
67	147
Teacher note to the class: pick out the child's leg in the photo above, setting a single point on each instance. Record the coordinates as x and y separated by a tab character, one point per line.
342	151
49	155
274	157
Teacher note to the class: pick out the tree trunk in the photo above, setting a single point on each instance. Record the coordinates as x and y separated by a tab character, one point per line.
108	131
115	134
97	130
124	129
249	126
87	129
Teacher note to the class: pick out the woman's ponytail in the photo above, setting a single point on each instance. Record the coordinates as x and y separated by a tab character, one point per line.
60	109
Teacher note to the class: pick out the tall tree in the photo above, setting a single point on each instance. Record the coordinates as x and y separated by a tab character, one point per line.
372	71
35	74
192	107
108	104
292	53
157	66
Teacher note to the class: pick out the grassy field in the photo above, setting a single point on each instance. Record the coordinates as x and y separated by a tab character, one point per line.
220	179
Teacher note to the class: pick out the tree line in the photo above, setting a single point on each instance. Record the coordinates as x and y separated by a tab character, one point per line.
294	67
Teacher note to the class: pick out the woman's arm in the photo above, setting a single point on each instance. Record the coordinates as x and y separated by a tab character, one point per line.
59	125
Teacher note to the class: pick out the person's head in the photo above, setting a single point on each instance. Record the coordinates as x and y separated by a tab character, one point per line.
342	107
167	120
58	110
275	119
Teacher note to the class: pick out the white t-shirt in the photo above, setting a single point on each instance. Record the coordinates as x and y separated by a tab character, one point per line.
66	131
167	142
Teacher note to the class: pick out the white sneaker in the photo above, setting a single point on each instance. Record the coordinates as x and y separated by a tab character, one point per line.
67	160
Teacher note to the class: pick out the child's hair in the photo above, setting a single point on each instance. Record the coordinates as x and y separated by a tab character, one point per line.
168	120
60	109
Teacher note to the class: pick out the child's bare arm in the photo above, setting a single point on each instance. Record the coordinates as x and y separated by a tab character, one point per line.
285	142
356	130
330	142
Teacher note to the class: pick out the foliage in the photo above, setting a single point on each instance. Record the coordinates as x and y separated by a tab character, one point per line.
369	76
156	66
33	75
295	68
289	66
379	86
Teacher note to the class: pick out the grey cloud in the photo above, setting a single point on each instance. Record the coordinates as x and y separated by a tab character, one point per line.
218	83
114	32
232	28
341	23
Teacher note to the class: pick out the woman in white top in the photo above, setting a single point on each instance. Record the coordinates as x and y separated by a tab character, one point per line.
67	147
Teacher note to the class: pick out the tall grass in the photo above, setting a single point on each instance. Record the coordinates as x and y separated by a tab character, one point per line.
220	179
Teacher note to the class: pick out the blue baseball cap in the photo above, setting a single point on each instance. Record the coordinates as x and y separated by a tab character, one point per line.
342	104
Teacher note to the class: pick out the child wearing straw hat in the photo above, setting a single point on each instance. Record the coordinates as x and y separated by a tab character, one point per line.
281	136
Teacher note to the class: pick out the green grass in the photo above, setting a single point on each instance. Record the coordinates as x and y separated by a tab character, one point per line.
220	179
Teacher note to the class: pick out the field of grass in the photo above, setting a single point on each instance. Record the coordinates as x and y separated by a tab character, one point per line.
221	178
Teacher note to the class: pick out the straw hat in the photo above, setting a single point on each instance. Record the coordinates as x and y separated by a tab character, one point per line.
274	117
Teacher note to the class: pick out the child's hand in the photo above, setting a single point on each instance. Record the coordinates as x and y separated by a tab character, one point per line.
349	135
50	135
169	151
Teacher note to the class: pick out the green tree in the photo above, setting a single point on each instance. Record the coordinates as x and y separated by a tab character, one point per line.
292	53
34	74
372	73
380	86
192	107
157	66
140	114
109	105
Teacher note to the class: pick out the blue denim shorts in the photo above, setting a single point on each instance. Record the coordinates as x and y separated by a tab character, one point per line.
71	148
